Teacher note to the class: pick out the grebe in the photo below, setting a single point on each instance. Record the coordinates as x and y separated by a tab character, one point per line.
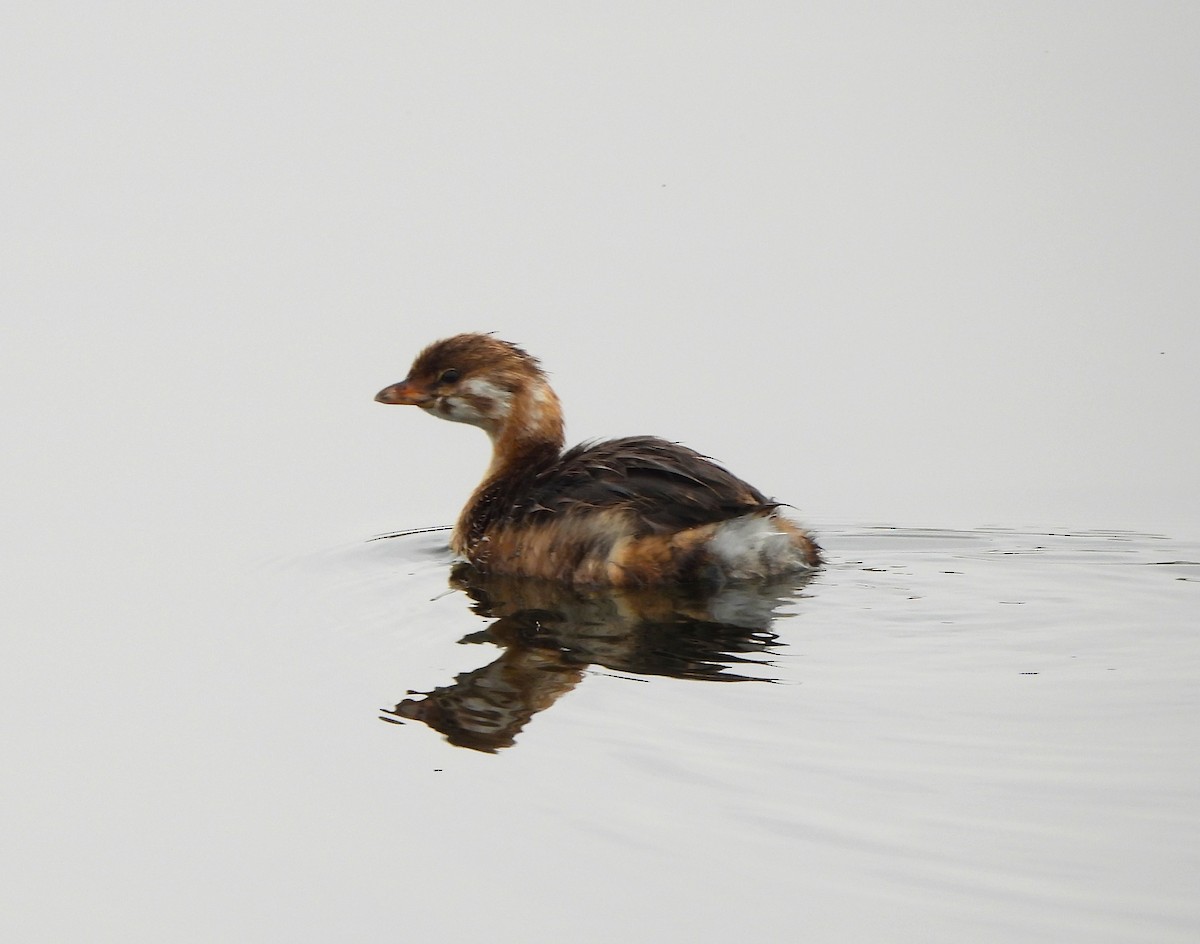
625	512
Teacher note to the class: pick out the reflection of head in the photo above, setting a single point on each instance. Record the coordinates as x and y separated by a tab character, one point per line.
485	709
550	633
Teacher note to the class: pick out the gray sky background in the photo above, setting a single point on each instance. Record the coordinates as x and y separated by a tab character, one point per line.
915	264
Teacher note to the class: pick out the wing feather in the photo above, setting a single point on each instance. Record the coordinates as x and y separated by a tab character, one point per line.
666	486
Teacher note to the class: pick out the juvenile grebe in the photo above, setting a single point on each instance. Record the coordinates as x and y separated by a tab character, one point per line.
624	512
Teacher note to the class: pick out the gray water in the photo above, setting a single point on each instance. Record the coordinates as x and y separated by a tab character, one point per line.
971	735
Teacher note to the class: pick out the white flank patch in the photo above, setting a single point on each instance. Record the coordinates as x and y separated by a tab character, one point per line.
753	547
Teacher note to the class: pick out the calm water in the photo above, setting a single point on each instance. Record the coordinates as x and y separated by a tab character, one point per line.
943	736
964	736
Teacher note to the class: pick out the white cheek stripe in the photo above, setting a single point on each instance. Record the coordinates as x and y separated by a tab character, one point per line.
459	411
486	390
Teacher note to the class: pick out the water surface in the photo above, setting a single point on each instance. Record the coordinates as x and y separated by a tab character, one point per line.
983	735
943	736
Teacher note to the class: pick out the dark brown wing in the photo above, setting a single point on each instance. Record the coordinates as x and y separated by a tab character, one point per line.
668	487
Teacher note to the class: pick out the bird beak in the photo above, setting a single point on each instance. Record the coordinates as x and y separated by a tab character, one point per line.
405	392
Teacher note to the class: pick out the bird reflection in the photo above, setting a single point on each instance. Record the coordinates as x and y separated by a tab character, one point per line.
550	633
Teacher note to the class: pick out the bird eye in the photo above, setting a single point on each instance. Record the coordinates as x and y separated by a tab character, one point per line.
449	376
